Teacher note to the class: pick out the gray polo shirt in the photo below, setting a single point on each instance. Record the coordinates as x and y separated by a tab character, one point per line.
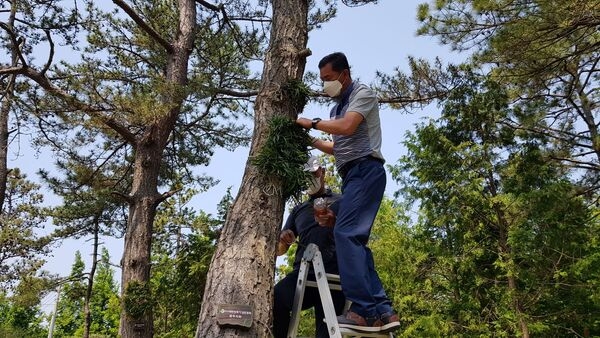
366	140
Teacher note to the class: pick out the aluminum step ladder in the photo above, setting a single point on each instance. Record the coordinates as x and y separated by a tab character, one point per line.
324	282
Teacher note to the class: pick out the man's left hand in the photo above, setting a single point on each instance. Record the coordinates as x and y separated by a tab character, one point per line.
304	122
326	219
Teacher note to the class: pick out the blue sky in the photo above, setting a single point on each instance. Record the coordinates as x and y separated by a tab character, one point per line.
374	38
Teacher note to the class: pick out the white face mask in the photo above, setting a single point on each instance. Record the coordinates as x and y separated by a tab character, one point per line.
314	185
333	88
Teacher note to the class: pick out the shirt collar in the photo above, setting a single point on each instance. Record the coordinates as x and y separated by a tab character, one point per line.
345	94
344	98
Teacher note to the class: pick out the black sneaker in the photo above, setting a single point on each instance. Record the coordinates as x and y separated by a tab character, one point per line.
354	321
389	321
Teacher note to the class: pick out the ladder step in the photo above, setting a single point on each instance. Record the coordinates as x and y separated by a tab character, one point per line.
331	286
333	278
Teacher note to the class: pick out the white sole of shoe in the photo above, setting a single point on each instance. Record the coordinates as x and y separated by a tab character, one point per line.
390	326
360	328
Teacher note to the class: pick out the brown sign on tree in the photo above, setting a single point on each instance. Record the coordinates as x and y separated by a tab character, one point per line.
234	315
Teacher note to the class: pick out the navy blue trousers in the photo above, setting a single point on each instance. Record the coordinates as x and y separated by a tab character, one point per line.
362	191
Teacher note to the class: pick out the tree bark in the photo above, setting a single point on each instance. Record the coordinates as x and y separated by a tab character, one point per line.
242	269
6	99
144	197
5	104
138	237
87	314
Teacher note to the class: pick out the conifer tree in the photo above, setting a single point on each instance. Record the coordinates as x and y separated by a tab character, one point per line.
547	53
494	216
153	88
21	217
70	313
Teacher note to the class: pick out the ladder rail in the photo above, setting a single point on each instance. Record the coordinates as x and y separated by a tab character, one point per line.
298	298
325	294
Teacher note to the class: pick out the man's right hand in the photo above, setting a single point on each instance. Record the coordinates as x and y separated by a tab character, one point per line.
287	237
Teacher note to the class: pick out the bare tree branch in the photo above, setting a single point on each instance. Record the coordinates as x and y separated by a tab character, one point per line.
45	83
50	53
549	132
235	93
216	8
239	18
577	164
144	25
408	100
226	21
11	70
166	195
16	42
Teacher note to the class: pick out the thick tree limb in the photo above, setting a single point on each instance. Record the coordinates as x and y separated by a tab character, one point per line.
305	53
16	42
11	70
235	93
212	7
144	25
126	198
45	83
388	100
166	195
50	53
408	100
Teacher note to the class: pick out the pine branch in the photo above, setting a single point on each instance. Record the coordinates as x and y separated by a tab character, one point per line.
50	53
45	83
216	8
144	25
17	42
166	195
235	93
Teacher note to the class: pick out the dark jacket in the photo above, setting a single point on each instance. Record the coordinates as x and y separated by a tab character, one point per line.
302	222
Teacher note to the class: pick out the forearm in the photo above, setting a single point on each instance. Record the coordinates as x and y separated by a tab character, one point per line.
344	126
341	126
324	146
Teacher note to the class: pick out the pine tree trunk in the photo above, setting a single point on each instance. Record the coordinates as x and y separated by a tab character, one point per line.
242	269
5	104
136	315
87	314
4	111
144	197
586	110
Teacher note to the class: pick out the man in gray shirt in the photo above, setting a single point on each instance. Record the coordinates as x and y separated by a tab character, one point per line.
356	130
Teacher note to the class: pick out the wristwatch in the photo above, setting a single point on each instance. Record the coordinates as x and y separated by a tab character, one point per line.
314	122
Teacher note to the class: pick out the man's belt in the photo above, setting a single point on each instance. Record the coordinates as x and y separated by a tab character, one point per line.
343	171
